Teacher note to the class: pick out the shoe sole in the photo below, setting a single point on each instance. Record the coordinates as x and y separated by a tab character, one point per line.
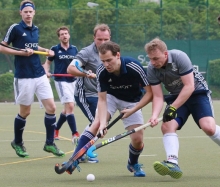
22	156
56	138
164	170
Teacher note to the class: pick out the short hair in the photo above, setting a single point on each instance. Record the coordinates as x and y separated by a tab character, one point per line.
109	46
62	28
102	27
26	1
154	44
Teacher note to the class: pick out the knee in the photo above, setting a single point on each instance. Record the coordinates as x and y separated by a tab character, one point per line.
51	109
208	126
25	114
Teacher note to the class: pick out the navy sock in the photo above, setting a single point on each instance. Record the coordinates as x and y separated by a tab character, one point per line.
84	139
72	122
134	154
60	121
49	121
19	125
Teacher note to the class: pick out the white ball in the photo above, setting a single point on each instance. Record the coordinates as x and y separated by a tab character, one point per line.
90	177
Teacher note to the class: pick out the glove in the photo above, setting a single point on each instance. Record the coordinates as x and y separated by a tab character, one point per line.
169	113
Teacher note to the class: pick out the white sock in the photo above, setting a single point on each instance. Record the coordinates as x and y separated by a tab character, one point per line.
216	136
171	145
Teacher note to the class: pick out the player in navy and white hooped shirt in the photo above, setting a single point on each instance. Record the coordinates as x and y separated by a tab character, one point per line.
189	95
30	79
65	86
120	80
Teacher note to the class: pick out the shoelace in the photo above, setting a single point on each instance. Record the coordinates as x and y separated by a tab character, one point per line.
138	166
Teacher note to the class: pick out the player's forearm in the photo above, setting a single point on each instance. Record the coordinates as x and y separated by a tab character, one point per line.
157	106
8	51
183	96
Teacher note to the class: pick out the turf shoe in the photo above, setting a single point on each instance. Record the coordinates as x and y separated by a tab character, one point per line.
56	135
85	159
168	168
137	169
53	149
72	167
20	149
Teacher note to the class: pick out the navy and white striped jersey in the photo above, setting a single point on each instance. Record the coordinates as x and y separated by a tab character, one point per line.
87	87
62	59
178	65
22	36
127	86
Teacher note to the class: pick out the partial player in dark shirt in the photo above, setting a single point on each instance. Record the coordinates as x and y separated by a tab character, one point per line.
65	86
30	79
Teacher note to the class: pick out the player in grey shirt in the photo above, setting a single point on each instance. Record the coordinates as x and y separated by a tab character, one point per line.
189	94
86	94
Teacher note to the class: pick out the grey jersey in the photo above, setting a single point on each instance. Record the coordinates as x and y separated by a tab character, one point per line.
89	57
178	65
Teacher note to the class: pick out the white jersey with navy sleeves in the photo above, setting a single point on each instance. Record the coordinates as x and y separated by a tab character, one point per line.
127	86
178	65
22	36
89	56
62	59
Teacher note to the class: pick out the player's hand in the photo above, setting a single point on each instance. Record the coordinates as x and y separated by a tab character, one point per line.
153	121
127	112
169	113
48	74
103	131
91	75
28	52
50	53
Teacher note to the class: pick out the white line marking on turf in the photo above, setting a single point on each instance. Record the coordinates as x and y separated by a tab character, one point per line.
148	155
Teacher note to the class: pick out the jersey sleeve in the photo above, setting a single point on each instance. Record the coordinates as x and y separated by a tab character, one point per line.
151	76
184	64
11	34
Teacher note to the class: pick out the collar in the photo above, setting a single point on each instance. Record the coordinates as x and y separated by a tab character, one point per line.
60	47
24	25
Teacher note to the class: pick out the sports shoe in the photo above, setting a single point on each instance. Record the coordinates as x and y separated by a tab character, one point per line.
75	139
168	168
53	149
85	159
137	169
20	150
71	168
56	135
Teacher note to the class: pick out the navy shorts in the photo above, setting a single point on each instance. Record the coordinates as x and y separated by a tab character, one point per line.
198	105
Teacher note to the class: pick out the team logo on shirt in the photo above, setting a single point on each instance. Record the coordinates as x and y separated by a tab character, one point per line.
66	57
174	68
24	34
59	51
110	80
120	87
31	45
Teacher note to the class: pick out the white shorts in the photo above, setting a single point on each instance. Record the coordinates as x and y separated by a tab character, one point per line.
115	104
65	91
24	90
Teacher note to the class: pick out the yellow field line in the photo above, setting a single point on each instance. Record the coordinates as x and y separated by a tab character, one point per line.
36	159
30	160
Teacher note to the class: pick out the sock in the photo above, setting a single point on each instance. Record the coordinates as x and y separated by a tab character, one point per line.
72	122
171	145
19	124
50	122
216	136
84	139
60	121
86	129
134	154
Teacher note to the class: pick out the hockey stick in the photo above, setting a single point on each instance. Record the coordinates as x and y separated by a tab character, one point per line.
62	75
81	69
82	151
25	50
91	150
